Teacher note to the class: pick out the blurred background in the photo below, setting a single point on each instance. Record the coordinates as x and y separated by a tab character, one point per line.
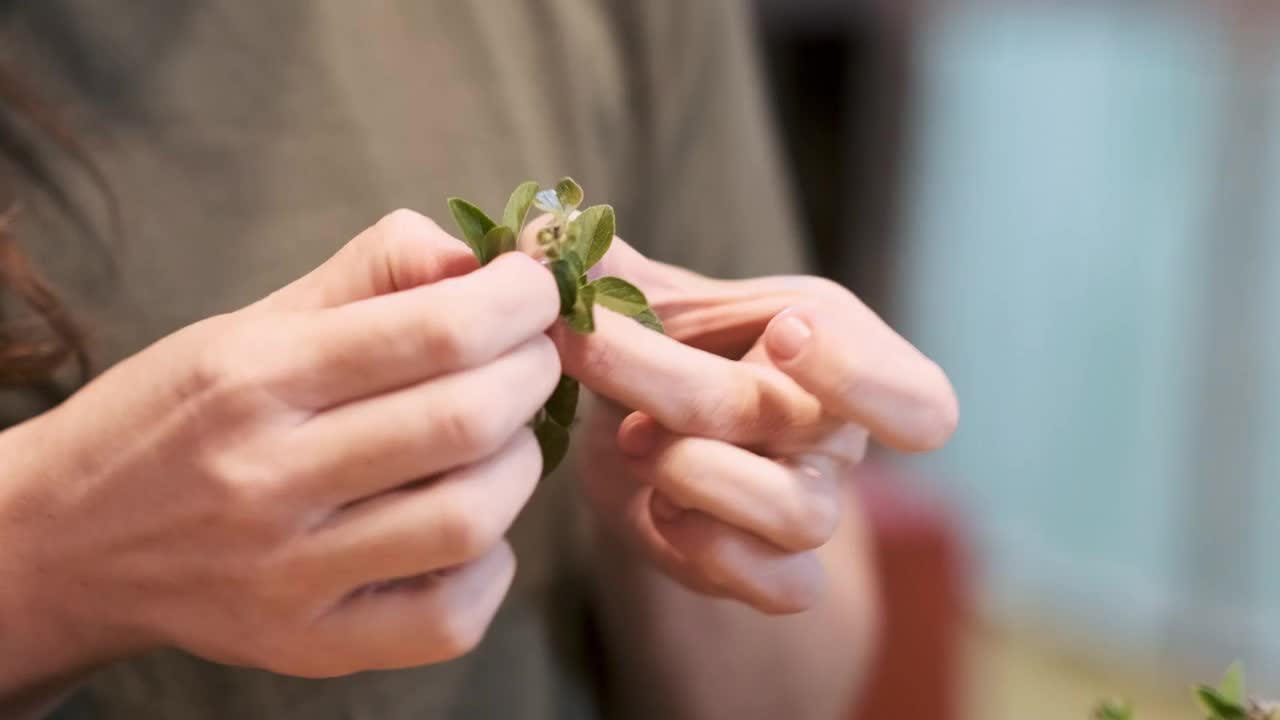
1075	208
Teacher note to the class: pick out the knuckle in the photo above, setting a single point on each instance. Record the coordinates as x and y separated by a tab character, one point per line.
533	281
460	632
717	409
712	557
224	381
528	454
825	288
814	522
446	340
791	595
543	359
218	368
413	248
404	223
466	533
244	494
472	427
273	600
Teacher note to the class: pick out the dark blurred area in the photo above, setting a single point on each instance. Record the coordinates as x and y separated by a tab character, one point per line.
840	75
1076	210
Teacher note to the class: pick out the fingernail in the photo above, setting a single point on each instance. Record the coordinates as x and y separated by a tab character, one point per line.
663	509
638	438
787	337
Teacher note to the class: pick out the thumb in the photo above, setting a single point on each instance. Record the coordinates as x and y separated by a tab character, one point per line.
403	250
866	374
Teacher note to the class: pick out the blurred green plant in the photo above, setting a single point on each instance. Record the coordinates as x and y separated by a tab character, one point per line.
1227	701
569	245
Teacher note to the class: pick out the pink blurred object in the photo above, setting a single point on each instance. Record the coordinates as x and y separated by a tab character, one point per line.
924	576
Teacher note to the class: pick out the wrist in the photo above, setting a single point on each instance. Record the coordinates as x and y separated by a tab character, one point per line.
49	635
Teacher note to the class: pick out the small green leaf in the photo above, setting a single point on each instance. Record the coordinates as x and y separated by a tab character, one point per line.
581	318
650	319
620	296
1113	710
498	240
570	193
553	439
591	233
473	223
567	283
626	299
518	205
575	264
1232	686
1220	707
563	403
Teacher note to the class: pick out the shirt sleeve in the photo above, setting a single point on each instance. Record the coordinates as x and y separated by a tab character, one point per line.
708	188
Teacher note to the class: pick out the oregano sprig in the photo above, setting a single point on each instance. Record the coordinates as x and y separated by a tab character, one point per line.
1227	701
569	245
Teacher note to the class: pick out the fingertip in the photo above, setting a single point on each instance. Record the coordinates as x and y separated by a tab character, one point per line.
663	509
789	334
518	262
527	273
638	435
940	417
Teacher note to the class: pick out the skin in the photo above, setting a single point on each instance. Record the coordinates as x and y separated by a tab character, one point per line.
736	435
236	488
266	505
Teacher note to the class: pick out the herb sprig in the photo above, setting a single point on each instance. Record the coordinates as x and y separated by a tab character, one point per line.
1227	701
569	245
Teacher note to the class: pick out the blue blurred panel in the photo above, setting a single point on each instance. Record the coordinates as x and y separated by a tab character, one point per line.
1266	521
1062	186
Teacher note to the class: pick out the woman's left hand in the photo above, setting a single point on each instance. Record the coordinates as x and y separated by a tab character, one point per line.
720	450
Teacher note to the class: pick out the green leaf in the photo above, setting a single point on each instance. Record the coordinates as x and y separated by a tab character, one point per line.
570	193
650	319
518	205
620	296
575	265
553	439
626	299
498	240
567	283
473	223
563	403
1220	707
1113	710
1232	686
591	233
581	318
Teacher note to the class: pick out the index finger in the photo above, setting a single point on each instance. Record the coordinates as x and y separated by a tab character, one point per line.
688	391
400	339
403	250
866	374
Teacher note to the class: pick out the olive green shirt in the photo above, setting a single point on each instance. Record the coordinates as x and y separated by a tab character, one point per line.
245	141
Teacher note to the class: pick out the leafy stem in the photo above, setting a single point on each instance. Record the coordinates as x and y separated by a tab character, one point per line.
1227	701
569	245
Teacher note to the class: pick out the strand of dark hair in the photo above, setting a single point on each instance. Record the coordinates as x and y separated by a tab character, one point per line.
37	344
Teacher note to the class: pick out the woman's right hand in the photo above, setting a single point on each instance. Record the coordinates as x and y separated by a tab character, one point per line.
317	484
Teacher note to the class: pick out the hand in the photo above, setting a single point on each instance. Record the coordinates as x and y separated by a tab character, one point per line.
727	472
317	484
